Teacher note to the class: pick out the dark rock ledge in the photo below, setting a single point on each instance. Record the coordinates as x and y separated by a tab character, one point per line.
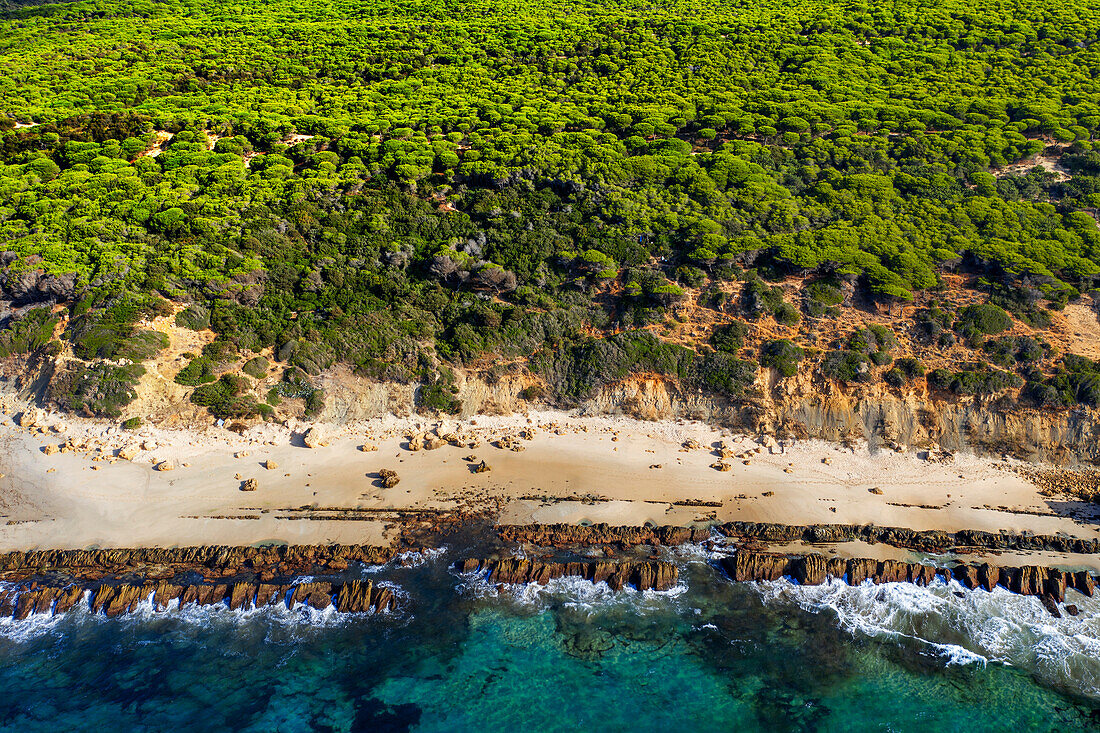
354	596
568	535
1049	584
211	561
56	581
643	575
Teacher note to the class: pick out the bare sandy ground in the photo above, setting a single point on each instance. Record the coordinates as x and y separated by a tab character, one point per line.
572	469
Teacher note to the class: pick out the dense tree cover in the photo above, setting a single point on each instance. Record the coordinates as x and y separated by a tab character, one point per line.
392	185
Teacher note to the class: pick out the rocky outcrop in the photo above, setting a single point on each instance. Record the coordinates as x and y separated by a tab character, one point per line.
814	569
33	284
358	596
643	575
569	535
35	589
924	541
114	600
315	437
210	561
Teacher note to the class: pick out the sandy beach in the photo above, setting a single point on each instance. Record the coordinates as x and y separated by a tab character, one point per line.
65	485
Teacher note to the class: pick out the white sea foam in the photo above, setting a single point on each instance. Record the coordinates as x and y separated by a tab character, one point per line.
964	626
300	615
410	559
688	553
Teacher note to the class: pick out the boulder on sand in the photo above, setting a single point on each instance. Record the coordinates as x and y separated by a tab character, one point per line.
315	437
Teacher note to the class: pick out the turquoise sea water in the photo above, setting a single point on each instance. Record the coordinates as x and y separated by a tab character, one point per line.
463	656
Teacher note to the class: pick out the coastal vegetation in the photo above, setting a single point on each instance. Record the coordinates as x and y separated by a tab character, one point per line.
408	190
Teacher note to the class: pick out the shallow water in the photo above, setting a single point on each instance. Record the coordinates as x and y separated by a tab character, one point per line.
461	656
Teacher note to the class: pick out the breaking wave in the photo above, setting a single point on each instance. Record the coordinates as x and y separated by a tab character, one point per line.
572	592
964	626
298	617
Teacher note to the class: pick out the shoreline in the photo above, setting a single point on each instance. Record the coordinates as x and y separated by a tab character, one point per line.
117	582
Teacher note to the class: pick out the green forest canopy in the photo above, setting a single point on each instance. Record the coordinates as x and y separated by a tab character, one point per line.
361	179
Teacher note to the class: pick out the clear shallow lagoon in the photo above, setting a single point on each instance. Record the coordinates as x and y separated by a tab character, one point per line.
461	656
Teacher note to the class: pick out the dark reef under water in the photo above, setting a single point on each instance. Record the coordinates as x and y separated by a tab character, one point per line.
461	655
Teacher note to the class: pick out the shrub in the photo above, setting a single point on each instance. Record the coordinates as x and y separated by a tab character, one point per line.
101	389
871	339
821	299
931	325
905	370
198	371
1022	303
132	423
759	299
435	396
722	373
691	276
577	371
1078	382
974	382
845	366
782	355
1045	394
256	367
532	392
786	314
730	337
315	402
195	317
226	398
1009	351
985	318
824	293
142	345
28	332
220	352
312	357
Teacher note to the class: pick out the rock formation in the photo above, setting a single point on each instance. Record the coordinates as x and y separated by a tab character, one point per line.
815	569
569	535
213	561
113	600
925	541
643	575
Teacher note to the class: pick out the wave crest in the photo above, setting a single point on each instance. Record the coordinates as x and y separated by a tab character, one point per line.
963	626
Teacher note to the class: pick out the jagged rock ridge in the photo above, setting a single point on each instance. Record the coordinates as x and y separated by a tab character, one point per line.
643	575
353	596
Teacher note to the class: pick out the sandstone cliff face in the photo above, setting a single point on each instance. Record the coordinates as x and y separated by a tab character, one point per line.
803	408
